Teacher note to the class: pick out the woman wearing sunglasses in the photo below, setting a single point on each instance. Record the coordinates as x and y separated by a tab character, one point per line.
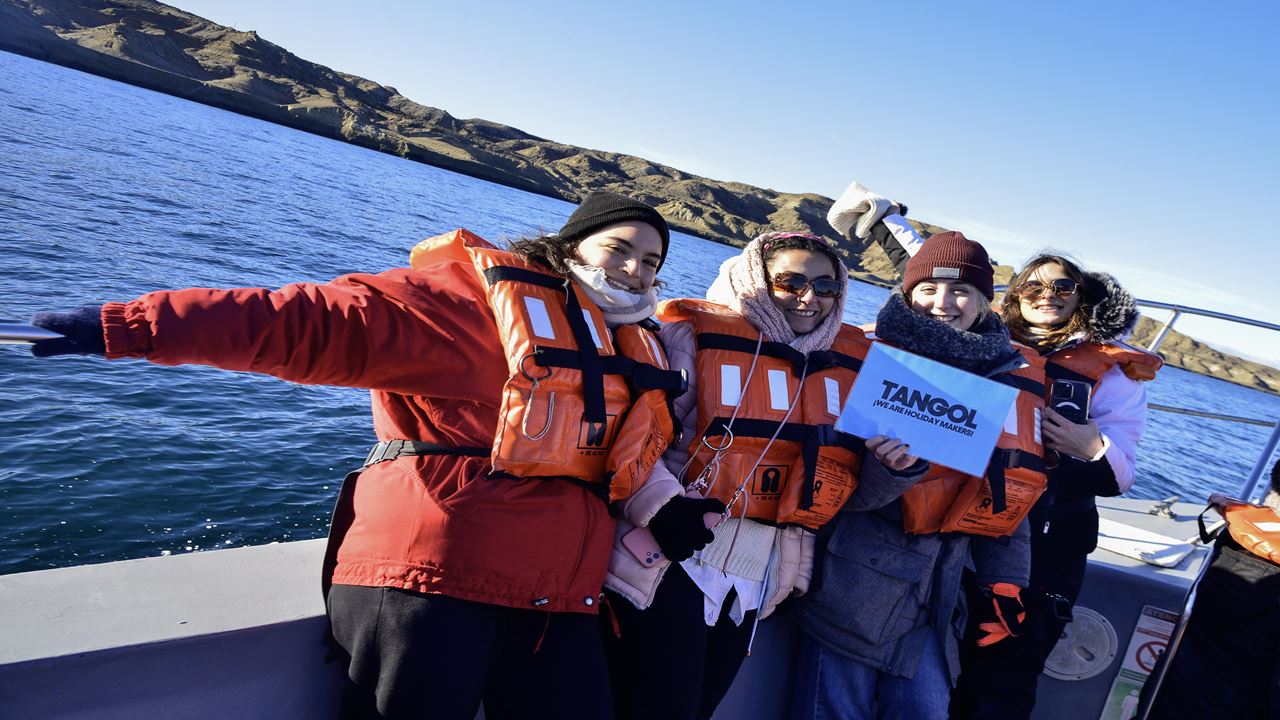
882	624
770	364
1075	320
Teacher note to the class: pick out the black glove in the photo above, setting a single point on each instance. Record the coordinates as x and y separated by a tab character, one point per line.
81	331
1006	614
679	527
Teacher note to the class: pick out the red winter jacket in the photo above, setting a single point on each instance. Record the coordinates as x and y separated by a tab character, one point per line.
424	343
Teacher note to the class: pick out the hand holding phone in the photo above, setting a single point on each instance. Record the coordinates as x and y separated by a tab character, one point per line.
1066	427
1070	399
644	547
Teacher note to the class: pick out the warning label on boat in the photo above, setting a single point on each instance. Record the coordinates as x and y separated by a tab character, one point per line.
1146	645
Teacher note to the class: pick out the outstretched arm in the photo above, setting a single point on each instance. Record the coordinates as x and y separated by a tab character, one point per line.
402	331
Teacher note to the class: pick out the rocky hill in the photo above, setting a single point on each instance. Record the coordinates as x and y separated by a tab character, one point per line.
159	47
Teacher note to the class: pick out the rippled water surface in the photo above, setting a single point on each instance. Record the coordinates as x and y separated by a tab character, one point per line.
108	191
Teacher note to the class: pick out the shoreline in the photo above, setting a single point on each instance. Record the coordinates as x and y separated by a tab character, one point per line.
138	44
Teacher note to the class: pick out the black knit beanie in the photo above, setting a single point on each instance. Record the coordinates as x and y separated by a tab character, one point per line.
602	209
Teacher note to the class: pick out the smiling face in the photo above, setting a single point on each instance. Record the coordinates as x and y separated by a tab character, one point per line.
1046	309
629	253
952	302
806	311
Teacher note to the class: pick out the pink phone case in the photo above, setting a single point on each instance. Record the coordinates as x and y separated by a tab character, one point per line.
641	544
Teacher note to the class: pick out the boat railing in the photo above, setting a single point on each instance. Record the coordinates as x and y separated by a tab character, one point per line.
1176	312
1269	447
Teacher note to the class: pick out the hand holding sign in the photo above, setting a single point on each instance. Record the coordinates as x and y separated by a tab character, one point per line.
947	416
891	452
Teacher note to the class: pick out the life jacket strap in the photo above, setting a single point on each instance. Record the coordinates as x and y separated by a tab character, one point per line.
1062	372
818	360
1002	460
642	376
1019	382
810	437
593	405
392	449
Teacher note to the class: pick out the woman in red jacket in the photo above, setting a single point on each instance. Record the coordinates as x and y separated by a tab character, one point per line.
467	557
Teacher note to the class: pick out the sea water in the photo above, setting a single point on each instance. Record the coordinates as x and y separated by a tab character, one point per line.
108	191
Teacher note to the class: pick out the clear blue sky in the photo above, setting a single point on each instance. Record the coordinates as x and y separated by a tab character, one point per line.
1140	136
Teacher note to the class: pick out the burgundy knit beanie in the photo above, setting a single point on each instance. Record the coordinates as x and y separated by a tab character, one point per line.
950	256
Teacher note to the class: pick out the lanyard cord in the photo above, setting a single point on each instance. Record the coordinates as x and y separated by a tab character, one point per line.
712	470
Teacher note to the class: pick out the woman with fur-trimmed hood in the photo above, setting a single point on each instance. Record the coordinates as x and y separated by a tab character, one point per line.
1076	319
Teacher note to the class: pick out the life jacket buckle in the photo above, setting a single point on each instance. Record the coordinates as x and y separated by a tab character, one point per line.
1012	458
387	450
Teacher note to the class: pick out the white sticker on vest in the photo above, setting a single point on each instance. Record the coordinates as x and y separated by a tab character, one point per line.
730	385
1011	422
1038	441
591	325
778	395
538	318
1268	527
833	396
658	356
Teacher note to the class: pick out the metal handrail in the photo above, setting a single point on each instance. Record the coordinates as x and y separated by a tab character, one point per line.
1177	311
1269	447
1212	415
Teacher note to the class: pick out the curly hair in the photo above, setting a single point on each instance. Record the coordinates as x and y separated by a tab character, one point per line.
1011	309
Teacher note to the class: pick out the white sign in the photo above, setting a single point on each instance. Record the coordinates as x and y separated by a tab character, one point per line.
1146	645
948	416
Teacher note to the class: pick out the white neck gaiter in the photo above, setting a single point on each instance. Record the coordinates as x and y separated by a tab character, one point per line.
620	307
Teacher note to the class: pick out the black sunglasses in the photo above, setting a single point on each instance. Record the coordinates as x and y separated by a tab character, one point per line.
797	284
1062	287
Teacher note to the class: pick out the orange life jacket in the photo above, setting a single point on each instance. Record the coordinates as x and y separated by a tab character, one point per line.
947	500
1088	361
778	468
1255	527
580	402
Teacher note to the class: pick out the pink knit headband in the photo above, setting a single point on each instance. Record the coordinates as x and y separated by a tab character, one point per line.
785	235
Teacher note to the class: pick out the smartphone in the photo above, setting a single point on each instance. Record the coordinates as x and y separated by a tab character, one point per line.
643	546
1070	399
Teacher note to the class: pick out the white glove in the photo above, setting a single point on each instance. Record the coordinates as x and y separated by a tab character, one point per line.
859	208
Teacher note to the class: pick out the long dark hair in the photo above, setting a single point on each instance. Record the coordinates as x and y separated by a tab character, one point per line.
550	250
554	252
1011	310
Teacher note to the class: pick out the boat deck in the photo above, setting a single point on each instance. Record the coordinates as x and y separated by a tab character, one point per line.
240	634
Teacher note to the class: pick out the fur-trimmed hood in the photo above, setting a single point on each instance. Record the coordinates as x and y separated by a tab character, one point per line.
1115	312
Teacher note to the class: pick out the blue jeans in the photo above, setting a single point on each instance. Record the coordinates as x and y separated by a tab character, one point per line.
829	686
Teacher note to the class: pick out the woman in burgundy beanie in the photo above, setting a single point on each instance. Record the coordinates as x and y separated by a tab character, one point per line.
951	256
881	624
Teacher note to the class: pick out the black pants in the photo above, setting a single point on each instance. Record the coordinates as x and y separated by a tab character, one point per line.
668	663
1228	663
998	682
431	656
